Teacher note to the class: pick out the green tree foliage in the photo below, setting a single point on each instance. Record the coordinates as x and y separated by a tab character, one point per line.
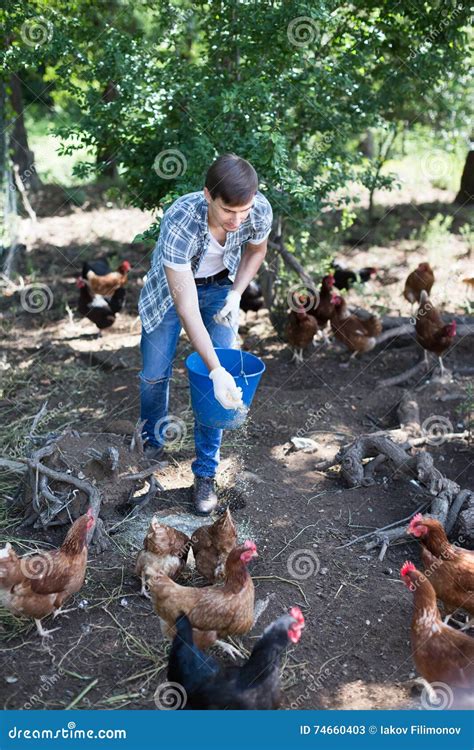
289	85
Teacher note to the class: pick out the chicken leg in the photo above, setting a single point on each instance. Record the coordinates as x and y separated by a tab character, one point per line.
228	648
42	632
297	356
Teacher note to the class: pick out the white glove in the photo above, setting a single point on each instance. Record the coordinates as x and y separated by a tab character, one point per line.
225	388
229	314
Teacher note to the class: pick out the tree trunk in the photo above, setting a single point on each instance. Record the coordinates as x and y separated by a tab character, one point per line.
466	190
105	158
21	153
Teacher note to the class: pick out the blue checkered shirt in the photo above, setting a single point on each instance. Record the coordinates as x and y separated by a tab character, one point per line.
184	238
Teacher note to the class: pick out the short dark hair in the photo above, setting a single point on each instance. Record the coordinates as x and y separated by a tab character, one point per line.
233	179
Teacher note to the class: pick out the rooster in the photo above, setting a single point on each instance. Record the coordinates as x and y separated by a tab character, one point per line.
422	278
359	335
212	545
301	328
253	686
449	568
213	610
38	585
440	653
165	550
95	307
101	280
431	332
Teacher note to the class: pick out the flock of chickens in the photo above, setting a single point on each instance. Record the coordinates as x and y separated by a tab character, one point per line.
195	618
102	296
310	314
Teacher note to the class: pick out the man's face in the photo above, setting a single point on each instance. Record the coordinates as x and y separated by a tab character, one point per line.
227	217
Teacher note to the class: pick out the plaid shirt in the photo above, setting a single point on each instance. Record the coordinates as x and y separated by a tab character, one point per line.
183	241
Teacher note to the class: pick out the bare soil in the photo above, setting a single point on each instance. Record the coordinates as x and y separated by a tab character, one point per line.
355	651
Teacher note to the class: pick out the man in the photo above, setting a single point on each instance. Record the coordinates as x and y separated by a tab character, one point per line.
210	247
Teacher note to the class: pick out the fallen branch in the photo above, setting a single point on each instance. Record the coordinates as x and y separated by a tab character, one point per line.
403	330
404	376
18	466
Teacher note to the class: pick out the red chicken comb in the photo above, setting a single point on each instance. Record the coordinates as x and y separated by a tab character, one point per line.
89	513
248	544
451	328
125	265
298	616
406	568
418	518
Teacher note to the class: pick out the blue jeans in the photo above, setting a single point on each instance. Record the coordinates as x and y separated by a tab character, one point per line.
158	350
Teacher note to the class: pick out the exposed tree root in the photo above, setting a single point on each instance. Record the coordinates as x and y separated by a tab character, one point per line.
74	471
447	497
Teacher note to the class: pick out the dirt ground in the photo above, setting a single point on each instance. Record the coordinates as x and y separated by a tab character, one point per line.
355	650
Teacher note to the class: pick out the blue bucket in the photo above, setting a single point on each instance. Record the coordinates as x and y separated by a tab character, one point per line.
207	410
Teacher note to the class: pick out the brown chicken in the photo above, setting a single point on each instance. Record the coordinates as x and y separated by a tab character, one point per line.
219	610
300	328
422	278
359	335
440	653
212	545
106	285
431	332
165	550
38	585
325	307
449	568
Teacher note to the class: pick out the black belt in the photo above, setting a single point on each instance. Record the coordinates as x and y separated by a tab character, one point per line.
210	279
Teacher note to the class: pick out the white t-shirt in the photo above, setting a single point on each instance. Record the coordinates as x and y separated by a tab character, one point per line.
212	262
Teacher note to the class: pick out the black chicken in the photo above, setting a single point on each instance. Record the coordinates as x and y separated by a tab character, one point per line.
253	686
252	297
345	277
